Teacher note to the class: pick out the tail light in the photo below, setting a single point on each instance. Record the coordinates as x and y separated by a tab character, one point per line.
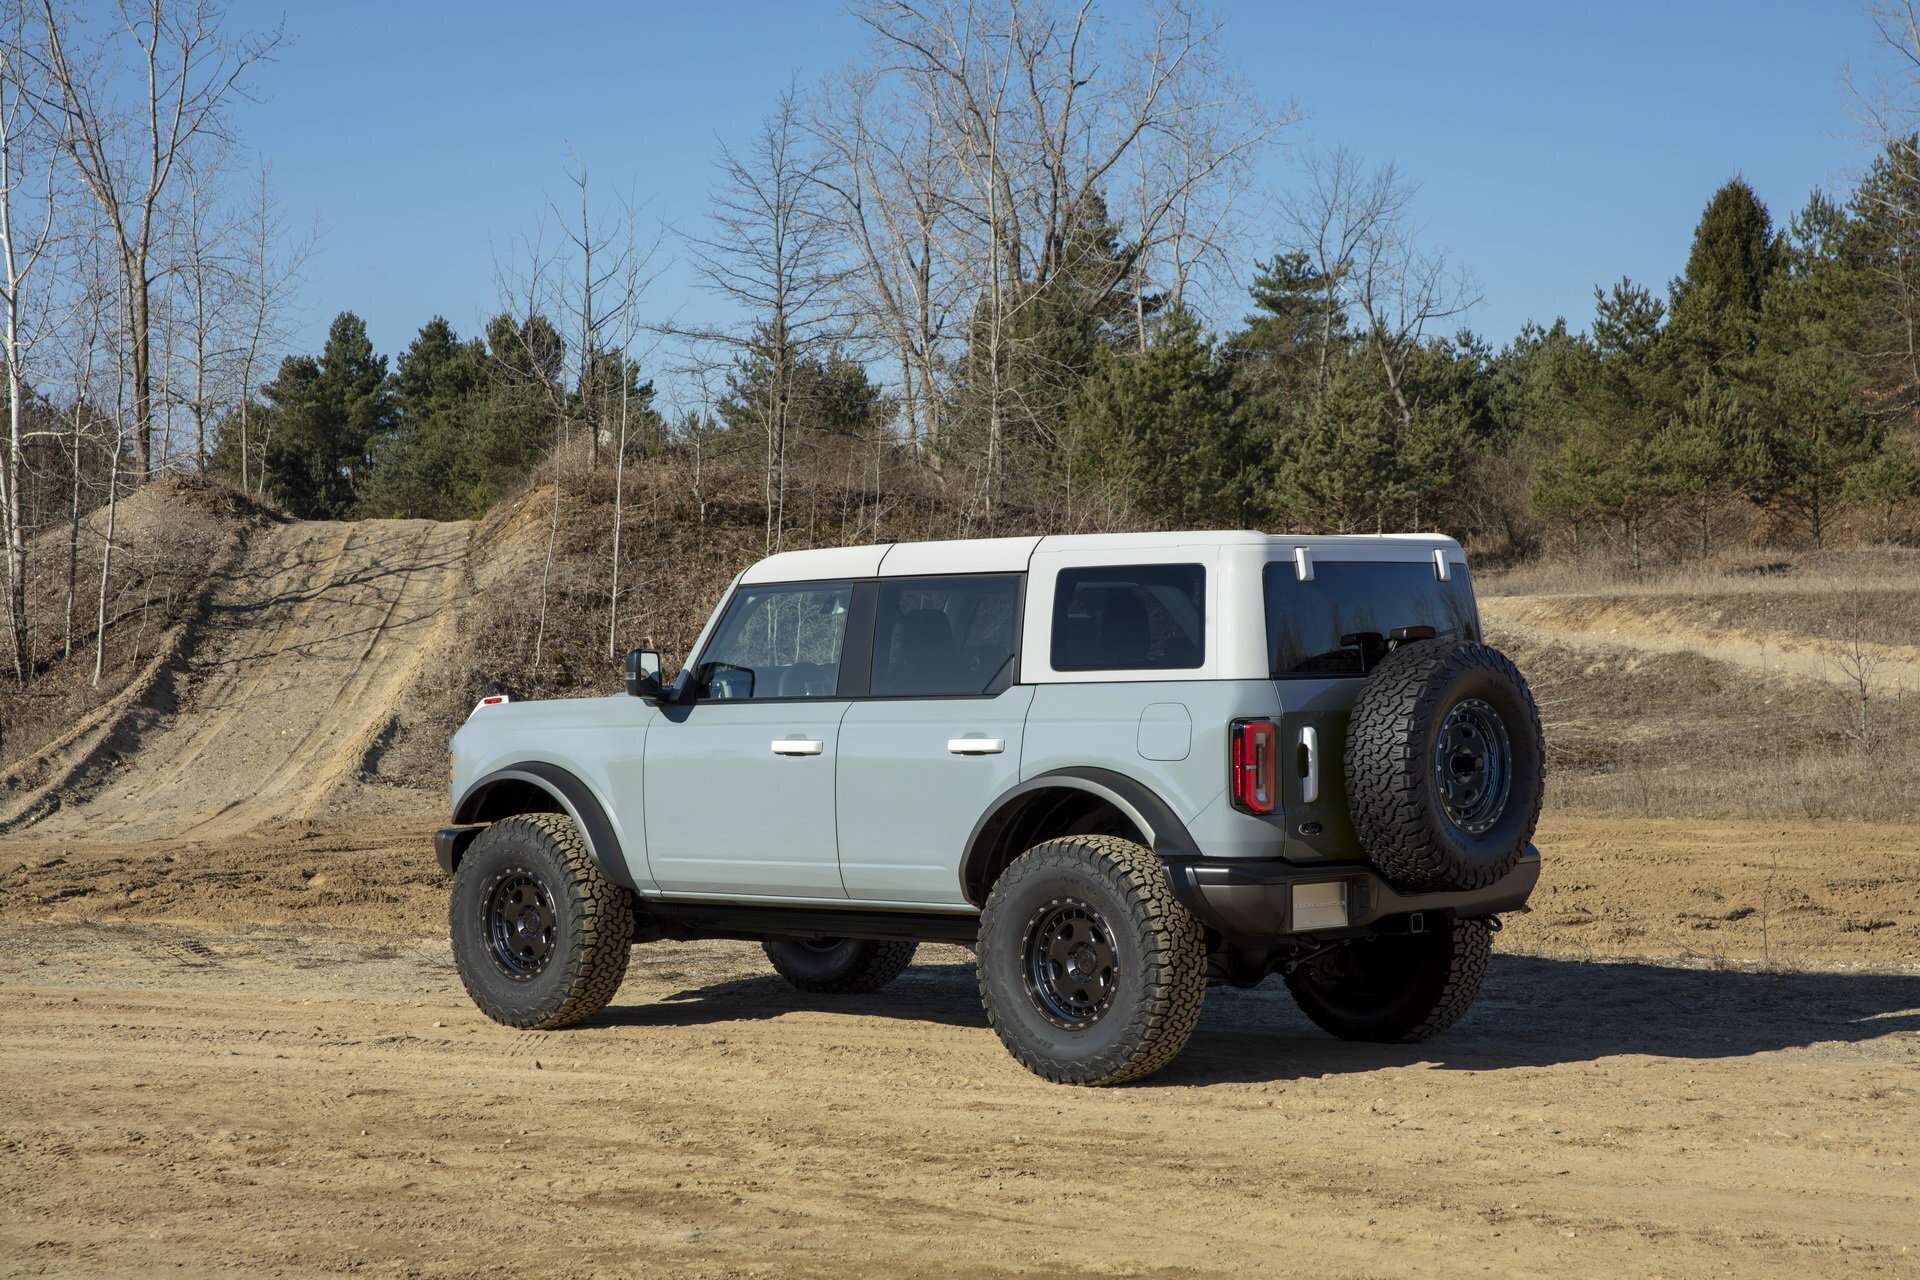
1253	743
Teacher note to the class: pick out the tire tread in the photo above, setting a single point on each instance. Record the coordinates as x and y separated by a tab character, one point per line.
1174	948
877	963
1387	792
604	912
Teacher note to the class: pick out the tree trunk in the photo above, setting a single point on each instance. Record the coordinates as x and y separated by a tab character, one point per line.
140	342
106	567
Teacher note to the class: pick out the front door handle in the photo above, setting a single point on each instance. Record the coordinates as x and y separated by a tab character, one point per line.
976	746
798	746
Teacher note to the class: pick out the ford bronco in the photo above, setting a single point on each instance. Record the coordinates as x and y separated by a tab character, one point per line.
1121	768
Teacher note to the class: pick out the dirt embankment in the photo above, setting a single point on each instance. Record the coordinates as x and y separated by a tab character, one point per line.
1733	637
303	654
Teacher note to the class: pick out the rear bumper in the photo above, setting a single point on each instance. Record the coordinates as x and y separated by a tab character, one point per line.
1255	899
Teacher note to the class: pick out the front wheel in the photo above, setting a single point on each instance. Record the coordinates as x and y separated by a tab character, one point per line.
1091	972
839	966
1397	988
540	935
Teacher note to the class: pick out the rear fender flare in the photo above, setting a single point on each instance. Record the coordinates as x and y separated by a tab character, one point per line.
488	798
1152	816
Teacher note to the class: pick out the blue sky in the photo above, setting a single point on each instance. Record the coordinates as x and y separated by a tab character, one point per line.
1556	146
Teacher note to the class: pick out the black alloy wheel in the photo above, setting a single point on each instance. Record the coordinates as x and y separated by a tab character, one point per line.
1091	971
520	923
1071	963
540	935
1473	766
1445	766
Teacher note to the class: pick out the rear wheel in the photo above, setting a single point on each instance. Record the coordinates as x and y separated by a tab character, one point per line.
540	936
1396	988
1091	972
839	966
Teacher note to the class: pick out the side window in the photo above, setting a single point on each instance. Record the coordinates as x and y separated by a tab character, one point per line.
950	637
1141	617
778	641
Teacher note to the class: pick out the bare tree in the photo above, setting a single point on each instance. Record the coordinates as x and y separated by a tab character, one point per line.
26	241
775	257
888	196
1355	226
1859	666
131	155
270	267
968	158
205	295
1887	97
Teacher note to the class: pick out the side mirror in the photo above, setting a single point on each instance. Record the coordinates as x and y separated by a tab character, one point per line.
643	673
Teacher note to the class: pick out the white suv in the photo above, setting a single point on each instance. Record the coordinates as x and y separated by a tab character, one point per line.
1121	767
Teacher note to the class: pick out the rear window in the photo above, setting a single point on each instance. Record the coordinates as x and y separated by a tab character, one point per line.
1138	617
1339	623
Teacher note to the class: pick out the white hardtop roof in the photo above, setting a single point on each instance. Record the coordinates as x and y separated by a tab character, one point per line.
1011	555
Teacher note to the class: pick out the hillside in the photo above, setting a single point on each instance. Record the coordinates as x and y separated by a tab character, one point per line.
293	673
272	671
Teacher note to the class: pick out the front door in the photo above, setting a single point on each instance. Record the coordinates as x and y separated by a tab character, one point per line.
936	739
739	786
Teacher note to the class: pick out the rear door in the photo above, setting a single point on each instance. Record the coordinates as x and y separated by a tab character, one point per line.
937	737
739	785
1329	620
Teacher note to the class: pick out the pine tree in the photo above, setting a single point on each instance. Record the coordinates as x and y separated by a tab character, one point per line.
1619	390
1165	424
1290	342
326	417
430	464
1735	260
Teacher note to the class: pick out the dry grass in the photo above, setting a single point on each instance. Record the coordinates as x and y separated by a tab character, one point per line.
1753	572
1679	735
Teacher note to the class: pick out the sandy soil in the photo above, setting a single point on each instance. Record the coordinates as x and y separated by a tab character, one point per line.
252	1056
306	651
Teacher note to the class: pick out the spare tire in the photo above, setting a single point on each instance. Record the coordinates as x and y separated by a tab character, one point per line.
1445	765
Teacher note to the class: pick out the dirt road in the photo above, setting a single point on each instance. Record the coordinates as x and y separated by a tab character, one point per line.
1579	622
297	670
252	1056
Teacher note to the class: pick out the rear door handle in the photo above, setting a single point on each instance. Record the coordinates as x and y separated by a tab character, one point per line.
1310	773
798	746
976	746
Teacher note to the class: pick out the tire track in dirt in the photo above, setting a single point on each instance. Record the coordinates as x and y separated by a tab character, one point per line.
268	732
217	706
1575	622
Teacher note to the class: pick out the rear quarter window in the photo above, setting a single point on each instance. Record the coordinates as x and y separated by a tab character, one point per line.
1338	624
1140	617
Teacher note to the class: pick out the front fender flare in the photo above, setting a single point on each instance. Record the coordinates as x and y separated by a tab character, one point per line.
573	798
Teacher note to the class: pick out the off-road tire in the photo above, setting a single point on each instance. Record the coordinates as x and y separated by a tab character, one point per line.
1396	988
839	966
585	946
1395	791
1155	953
